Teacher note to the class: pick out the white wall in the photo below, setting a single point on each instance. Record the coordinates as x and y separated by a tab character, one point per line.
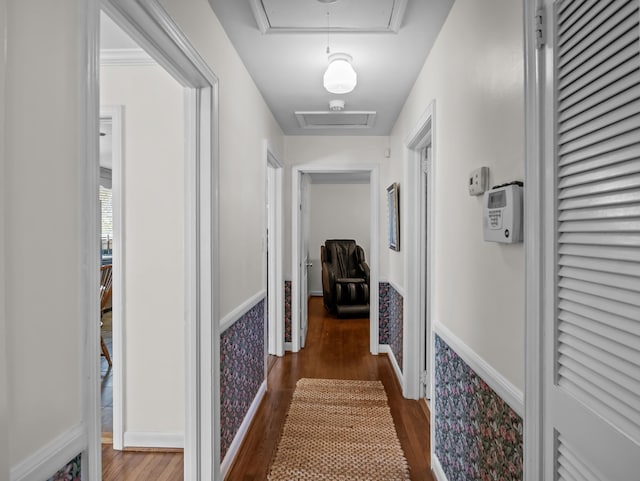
245	122
41	189
475	73
154	244
337	211
4	414
329	151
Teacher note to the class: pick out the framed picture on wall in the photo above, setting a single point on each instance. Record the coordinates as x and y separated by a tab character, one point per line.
393	209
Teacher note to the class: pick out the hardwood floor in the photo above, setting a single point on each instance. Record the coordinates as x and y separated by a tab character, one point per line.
336	349
141	466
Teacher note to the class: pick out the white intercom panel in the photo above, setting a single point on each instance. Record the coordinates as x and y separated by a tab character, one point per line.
502	219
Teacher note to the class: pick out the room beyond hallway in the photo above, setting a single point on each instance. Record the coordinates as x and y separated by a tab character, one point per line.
335	349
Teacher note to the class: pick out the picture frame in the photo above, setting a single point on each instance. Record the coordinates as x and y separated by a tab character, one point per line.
393	217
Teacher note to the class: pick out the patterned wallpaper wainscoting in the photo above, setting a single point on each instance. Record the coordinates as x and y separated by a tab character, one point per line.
71	472
287	311
241	371
478	436
391	319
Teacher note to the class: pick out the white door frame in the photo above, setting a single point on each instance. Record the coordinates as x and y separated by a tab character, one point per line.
534	238
153	29
115	114
417	271
296	177
275	226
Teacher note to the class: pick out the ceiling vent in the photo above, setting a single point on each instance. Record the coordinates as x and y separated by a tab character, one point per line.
294	16
336	120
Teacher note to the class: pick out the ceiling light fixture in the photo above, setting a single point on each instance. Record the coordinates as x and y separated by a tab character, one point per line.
340	77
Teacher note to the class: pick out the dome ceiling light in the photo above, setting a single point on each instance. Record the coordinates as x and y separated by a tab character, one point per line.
340	77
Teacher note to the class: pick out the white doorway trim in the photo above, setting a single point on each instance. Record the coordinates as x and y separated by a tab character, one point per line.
275	249
374	182
418	269
153	29
115	114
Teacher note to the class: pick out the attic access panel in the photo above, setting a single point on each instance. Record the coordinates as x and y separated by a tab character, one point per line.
345	15
336	120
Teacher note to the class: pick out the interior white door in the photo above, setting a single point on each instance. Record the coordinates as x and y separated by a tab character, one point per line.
304	223
591	351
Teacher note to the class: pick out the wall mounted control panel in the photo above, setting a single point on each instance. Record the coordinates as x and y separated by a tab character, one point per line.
502	219
479	181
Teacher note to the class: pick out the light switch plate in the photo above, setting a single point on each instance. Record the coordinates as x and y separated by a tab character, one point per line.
479	181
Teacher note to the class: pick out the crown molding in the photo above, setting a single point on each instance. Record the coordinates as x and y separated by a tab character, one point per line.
125	57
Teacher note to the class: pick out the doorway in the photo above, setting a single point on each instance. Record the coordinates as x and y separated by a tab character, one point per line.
274	252
157	33
419	167
111	162
300	259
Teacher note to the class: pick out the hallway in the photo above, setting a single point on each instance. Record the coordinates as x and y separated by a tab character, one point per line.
336	349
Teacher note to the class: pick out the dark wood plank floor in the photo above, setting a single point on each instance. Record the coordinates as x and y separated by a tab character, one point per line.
141	466
336	349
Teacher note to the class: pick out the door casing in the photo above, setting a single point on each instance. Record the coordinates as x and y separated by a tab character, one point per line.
296	257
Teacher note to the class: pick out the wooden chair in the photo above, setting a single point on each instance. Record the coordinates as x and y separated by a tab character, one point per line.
106	284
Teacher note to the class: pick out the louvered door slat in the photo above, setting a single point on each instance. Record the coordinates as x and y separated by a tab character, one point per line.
570	110
571	464
598	213
599	288
616	198
570	133
606	148
600	270
600	252
600	226
611	326
626	154
584	21
600	303
614	41
601	387
602	77
617	184
595	261
571	118
621	379
597	135
585	385
588	29
601	239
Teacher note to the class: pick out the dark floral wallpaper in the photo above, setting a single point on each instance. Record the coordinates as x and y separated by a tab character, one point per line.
71	472
287	311
241	371
478	436
391	319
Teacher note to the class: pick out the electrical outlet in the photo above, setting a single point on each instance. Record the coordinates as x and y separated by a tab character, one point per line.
479	181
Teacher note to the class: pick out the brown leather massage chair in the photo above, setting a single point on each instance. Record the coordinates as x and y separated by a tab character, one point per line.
345	278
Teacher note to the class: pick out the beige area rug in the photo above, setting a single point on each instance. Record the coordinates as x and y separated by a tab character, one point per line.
339	430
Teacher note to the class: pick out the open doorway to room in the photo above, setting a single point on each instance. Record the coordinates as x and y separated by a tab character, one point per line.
143	402
319	213
194	272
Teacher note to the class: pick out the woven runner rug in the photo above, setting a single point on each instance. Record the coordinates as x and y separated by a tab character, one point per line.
339	430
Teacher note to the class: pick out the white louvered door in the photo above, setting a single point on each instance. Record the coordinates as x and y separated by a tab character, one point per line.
592	324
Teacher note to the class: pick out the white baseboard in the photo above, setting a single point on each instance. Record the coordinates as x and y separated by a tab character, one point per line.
153	440
52	457
315	293
242	431
386	349
436	468
288	346
500	384
231	318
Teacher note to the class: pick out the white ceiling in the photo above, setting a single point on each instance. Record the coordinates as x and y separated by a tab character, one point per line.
388	39
288	62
